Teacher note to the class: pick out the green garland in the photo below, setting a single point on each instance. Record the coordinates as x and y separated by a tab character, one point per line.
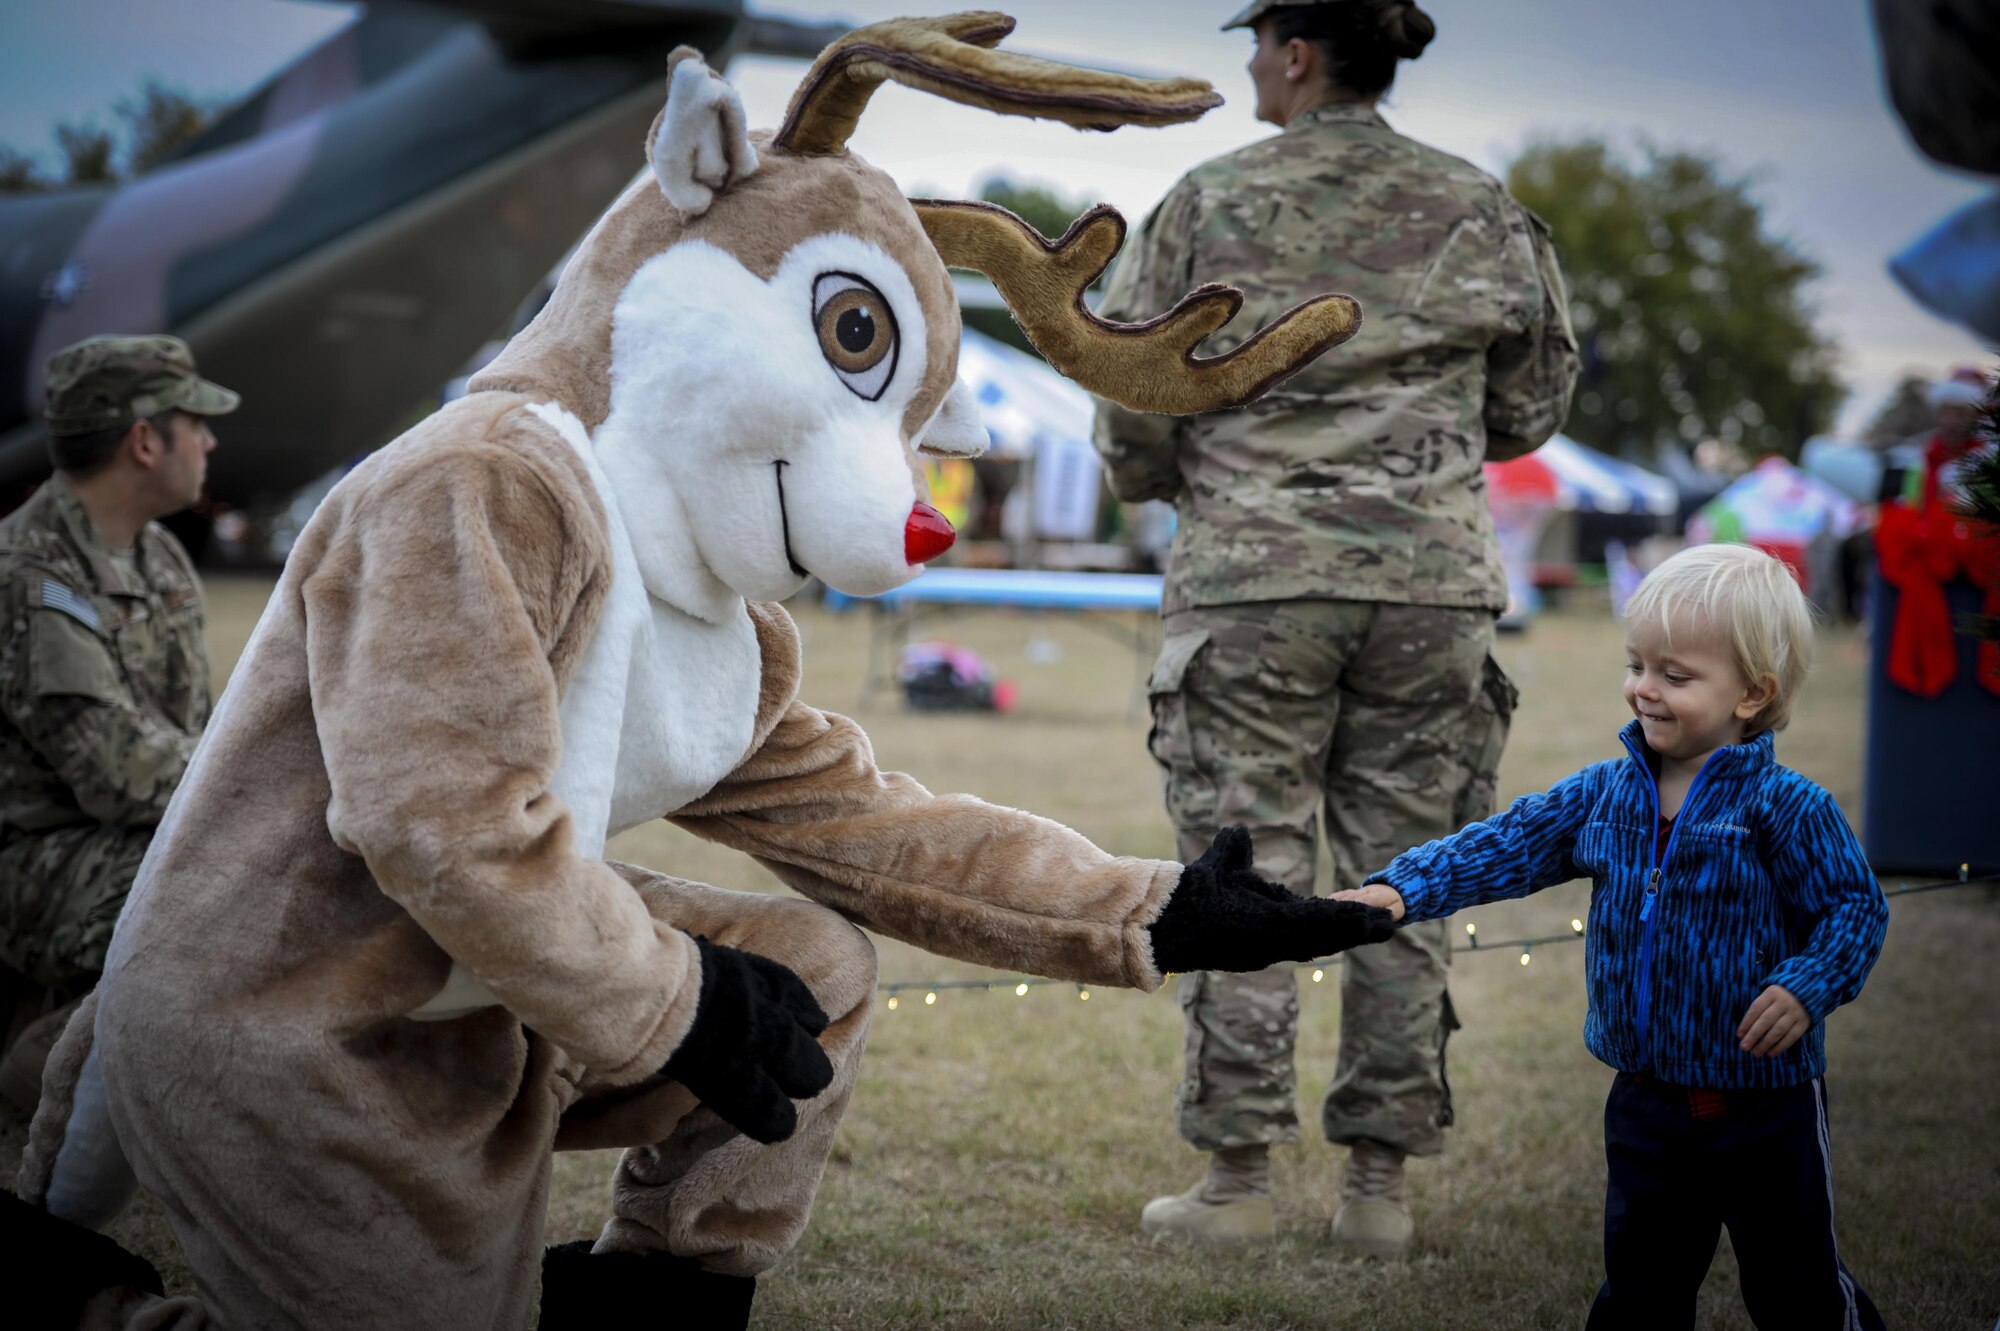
1980	501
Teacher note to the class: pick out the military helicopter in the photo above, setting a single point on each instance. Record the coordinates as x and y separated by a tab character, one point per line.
340	242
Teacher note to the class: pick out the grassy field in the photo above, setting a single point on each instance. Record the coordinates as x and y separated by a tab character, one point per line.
993	1164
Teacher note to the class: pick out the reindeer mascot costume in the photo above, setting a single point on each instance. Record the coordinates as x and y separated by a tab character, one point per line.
376	968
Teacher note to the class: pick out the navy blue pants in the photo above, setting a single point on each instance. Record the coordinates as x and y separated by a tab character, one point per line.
1683	1165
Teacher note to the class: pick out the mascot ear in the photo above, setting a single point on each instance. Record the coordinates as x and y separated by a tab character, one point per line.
699	145
955	432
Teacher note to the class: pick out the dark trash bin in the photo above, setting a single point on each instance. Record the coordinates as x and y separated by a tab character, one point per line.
1932	778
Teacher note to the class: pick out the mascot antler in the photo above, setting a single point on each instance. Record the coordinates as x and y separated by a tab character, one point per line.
948	57
1148	366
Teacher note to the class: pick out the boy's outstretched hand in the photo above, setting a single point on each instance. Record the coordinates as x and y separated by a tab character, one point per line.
1223	917
1773	1024
1375	894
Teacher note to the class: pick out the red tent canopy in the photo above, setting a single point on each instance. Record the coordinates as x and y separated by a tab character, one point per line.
1526	479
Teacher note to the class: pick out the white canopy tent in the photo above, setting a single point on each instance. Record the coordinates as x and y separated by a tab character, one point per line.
1034	414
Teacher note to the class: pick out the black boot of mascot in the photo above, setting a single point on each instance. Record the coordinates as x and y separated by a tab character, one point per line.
751	1051
587	1291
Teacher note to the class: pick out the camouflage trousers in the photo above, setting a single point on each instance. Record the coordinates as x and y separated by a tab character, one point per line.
60	895
1383	723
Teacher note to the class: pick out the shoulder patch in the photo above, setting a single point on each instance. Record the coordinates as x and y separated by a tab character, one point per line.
55	596
66	660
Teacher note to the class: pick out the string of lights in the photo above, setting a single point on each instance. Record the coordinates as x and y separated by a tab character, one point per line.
1522	947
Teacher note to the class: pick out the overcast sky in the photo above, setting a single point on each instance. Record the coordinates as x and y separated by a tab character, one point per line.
1788	91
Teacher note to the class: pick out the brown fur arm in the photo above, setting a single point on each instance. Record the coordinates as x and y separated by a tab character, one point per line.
948	873
431	620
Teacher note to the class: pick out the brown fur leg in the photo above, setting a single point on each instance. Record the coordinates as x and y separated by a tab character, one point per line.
59	1080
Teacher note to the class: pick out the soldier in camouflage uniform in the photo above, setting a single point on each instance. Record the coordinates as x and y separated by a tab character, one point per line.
104	675
1330	603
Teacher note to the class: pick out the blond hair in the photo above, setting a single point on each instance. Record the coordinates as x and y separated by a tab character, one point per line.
1756	603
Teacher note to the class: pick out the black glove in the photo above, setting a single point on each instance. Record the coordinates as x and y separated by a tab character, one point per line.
751	1050
1223	917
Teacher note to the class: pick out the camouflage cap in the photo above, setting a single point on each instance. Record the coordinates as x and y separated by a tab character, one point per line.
106	381
1256	9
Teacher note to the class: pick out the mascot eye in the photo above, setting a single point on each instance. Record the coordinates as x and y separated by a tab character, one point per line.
857	332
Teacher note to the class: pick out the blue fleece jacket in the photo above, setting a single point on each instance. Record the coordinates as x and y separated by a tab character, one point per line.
1761	882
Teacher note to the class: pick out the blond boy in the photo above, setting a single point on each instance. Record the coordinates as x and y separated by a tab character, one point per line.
1731	910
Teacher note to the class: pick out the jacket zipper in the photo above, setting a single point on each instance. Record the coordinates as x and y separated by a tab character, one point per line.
1647	913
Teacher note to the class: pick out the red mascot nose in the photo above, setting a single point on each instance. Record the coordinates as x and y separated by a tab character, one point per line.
926	535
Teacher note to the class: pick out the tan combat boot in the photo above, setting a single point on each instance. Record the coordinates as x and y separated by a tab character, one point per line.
1373	1220
1231	1205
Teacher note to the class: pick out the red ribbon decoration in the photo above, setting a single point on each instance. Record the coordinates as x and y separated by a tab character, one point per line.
1921	549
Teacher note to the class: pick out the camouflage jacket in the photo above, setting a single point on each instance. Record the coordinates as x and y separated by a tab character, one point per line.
1359	478
104	675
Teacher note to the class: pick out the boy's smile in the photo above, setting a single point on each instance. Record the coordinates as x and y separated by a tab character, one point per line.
1687	691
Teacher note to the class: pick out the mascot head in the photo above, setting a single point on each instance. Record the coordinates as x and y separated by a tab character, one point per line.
762	337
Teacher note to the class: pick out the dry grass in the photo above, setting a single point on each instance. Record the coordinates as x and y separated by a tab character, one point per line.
992	1167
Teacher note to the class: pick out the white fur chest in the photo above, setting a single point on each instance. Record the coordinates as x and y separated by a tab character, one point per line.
663	704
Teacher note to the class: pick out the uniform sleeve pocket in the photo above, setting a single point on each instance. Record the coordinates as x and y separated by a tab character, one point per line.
1176	654
1486	741
65	659
1170	741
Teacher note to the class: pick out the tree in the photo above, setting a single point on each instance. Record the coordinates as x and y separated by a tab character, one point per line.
1981	503
1037	205
156	124
87	152
18	172
1692	319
